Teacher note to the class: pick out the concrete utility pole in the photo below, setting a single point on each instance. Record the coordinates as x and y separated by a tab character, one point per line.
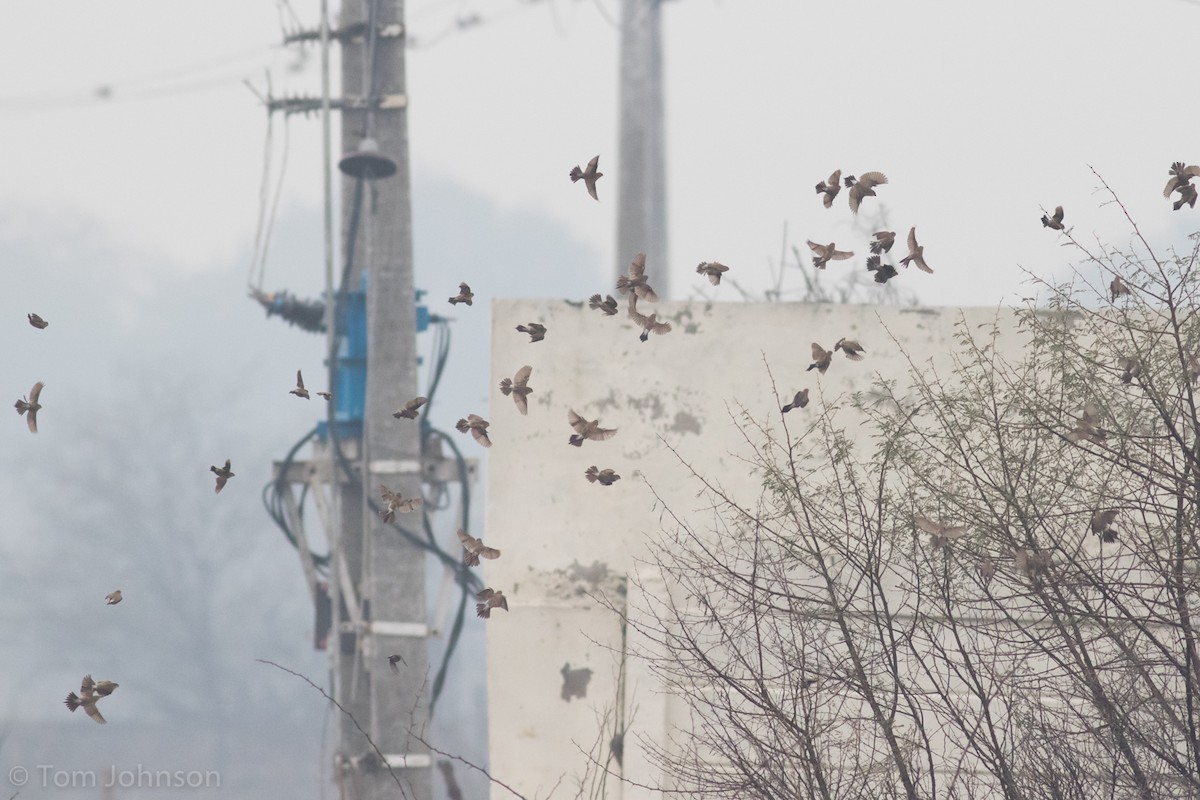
641	162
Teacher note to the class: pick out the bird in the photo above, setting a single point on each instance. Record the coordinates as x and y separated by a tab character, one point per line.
223	475
1181	181
1130	368
89	693
636	281
464	295
1088	429
1187	197
29	407
1193	368
1117	288
830	188
112	598
1055	222
863	187
986	570
325	395
608	305
883	241
799	401
575	682
536	331
713	270
589	176
37	321
649	323
1102	525
940	534
478	426
491	599
587	430
883	272
1030	563
300	391
474	549
826	253
393	660
916	252
853	350
821	358
516	386
410	408
394	503
605	477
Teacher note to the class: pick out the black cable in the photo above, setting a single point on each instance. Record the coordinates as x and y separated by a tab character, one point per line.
272	497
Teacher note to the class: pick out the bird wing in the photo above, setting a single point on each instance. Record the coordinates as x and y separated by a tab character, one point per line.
464	289
590	182
415	403
869	180
577	422
485	595
522	403
835	178
637	267
31	419
481	436
819	249
94	713
1171	186
927	525
86	687
522	376
640	319
841	255
661	327
594	164
490	553
912	241
1192	171
1058	213
644	291
819	353
602	434
36	392
919	260
500	601
299	380
469	542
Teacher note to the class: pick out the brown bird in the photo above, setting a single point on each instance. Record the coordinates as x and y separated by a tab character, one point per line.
1193	367
1117	288
89	693
1130	368
713	270
491	599
940	534
112	598
824	253
883	272
636	282
464	295
853	350
516	386
1088	429
325	395
1181	181
863	187
410	408
223	475
474	549
29	407
478	426
1102	525
830	188
608	305
986	570
883	241
1055	222
37	321
393	660
821	358
1030	563
536	331
799	401
587	430
916	252
394	503
649	323
1187	197
606	477
300	391
575	682
589	176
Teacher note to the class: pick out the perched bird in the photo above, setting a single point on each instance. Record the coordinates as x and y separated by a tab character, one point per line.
649	323
830	188
853	350
464	295
799	401
587	430
536	331
410	408
1193	367
589	176
518	388
713	270
37	321
821	358
1130	368
1117	288
89	693
606	477
393	660
1102	525
940	534
478	426
29	407
394	503
575	682
1088	429
223	475
300	391
883	242
986	570
916	252
1181	181
883	272
863	187
824	253
325	395
1055	222
608	305
474	549
636	282
112	598
491	599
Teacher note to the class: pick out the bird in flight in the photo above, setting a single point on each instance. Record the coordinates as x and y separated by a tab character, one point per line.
536	331
608	305
650	324
589	176
636	281
30	406
1102	525
1088	429
464	295
799	401
1130	368
712	270
1056	221
490	598
824	253
605	477
410	408
112	598
325	395
37	321
883	272
1181	181
587	430
853	350
830	188
474	549
883	241
940	533
223	475
821	358
517	386
863	187
393	660
478	426
89	693
394	503
300	391
916	252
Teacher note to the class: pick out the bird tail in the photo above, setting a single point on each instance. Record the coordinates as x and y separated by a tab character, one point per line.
623	285
523	329
21	406
471	559
73	702
592	474
821	187
454	301
506	387
576	440
462	425
645	336
482	610
576	174
1045	221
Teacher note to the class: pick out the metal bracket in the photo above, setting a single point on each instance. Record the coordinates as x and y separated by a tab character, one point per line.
311	105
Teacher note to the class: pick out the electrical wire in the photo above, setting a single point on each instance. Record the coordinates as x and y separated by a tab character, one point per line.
266	242
273	502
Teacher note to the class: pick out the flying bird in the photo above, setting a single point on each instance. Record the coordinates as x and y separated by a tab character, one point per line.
491	599
636	281
605	477
589	176
112	598
883	241
1117	288
1187	197
853	350
883	272
916	252
1130	368
300	391
410	408
1181	181
940	534
464	295
1102	525
1030	563
37	321
1088	429
830	188
536	331
223	475
393	660
89	693
799	401
650	324
608	305
394	503
824	253
478	426
518	388
325	395
863	187
1055	222
986	570
29	407
587	430
474	549
821	358
713	270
